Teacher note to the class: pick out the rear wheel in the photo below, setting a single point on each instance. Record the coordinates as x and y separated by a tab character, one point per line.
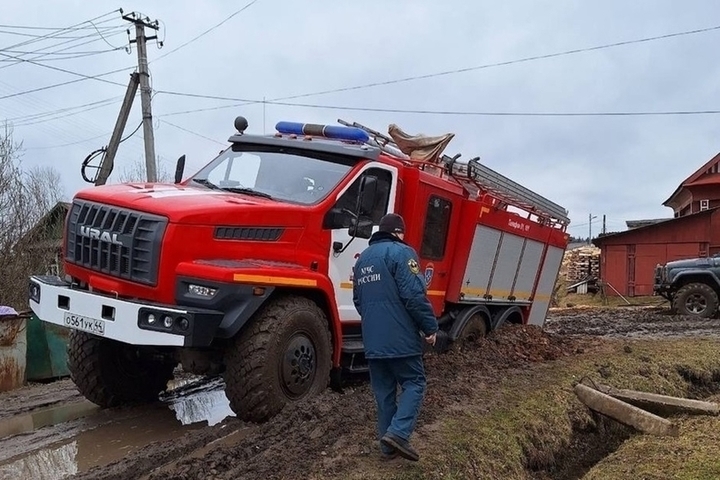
284	356
111	373
696	299
474	329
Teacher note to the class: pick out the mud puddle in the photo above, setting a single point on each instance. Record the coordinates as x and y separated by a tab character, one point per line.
58	442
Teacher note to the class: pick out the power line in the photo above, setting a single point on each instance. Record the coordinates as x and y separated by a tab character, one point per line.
59	31
443	112
205	32
47	87
69	144
509	62
87	77
194	133
447	72
34	116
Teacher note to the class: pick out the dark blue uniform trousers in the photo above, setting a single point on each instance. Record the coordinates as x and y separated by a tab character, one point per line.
397	415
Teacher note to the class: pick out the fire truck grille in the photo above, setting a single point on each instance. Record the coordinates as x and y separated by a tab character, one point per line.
115	241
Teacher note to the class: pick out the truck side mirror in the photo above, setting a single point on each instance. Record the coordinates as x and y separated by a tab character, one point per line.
361	228
179	169
368	192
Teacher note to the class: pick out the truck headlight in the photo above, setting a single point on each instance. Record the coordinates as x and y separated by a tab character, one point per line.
201	290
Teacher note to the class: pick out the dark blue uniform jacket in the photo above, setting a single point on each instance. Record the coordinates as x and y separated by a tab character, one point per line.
389	293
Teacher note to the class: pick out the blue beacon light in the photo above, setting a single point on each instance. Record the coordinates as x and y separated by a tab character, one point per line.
327	131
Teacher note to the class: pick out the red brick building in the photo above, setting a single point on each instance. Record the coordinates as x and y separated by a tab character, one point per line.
628	259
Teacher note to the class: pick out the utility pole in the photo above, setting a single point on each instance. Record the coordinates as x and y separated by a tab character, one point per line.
590	219
106	166
145	98
604	230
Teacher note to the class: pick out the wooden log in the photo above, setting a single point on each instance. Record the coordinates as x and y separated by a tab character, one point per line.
625	413
662	404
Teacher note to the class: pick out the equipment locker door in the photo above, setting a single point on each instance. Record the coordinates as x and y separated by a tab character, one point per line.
341	264
434	252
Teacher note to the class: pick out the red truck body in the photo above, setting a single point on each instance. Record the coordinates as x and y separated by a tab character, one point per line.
212	256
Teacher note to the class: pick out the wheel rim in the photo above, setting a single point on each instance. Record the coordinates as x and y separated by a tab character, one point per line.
299	366
696	303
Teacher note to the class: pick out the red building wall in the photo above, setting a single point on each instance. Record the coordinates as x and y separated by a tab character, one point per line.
628	259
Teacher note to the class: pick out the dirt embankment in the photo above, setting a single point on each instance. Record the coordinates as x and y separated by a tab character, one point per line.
333	436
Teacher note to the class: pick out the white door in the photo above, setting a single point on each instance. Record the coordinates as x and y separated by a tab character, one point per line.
341	264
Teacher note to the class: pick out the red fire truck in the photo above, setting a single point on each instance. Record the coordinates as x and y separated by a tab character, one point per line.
244	269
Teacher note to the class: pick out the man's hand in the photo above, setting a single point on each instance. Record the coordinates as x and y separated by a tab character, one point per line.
431	339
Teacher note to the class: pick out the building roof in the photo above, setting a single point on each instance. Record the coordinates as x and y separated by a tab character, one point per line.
602	238
644	222
37	233
710	168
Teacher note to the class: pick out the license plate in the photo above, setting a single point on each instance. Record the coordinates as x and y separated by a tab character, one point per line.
91	325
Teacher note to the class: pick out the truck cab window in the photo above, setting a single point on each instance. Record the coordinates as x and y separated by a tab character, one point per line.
437	223
285	176
338	218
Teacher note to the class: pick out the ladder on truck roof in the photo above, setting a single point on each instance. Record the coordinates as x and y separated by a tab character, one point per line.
481	178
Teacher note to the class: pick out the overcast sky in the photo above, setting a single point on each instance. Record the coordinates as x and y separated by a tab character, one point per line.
624	167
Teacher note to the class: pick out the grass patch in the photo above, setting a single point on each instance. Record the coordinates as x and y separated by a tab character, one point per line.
695	455
531	426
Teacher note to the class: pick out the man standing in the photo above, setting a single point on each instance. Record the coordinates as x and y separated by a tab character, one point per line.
389	293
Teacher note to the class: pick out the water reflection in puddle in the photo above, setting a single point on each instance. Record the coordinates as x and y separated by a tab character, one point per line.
195	402
101	439
46	417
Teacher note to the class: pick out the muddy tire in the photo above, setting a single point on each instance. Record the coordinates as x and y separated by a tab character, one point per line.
475	329
283	356
110	373
696	299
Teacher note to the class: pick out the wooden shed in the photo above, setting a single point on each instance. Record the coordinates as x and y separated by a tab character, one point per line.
628	259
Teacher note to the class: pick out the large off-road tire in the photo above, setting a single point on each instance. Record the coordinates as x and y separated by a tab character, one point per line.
111	373
284	355
696	299
475	329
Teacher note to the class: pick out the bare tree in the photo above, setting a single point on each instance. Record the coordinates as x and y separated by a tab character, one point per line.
26	197
135	172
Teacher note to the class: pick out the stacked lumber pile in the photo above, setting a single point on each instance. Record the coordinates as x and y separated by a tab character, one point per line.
580	262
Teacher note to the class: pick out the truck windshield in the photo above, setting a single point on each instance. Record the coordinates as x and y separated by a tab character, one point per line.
278	175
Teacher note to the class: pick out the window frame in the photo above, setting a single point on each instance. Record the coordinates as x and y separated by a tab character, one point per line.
429	228
384	176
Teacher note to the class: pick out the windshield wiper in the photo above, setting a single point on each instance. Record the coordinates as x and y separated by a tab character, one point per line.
206	182
247	191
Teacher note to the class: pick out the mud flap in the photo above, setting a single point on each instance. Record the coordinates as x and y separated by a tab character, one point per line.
336	379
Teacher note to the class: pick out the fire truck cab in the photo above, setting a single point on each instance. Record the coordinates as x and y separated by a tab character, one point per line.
245	268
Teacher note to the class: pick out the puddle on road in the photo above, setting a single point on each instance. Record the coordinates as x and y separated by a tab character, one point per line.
187	405
46	417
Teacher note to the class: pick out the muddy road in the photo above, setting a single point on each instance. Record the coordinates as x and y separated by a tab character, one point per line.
50	432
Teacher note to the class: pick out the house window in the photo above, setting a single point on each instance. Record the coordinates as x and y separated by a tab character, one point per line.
437	222
704	205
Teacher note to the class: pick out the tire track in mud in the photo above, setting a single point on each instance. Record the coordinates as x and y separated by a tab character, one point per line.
629	322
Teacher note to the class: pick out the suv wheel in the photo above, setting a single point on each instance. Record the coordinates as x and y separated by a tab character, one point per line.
696	299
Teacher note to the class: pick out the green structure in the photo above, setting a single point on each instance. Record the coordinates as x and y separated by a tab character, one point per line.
46	351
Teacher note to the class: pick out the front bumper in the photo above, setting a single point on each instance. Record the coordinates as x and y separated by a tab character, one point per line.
53	300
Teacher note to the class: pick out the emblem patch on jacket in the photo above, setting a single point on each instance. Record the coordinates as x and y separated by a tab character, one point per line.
414	267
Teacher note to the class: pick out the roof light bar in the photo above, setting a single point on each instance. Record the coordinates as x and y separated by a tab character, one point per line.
327	131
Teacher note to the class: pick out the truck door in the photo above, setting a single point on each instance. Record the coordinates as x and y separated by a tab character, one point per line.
436	212
341	263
